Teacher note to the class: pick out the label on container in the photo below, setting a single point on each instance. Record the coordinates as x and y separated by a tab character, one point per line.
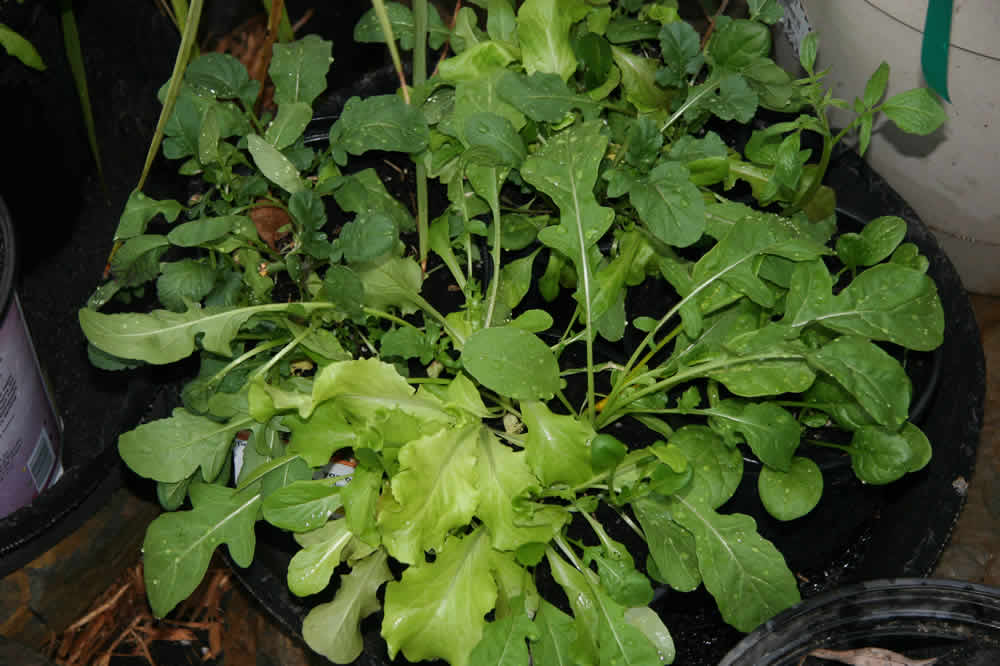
29	429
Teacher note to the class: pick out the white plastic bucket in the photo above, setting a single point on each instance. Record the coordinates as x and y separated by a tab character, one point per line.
947	177
30	430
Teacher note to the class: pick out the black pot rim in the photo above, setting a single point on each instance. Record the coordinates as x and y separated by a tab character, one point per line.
887	607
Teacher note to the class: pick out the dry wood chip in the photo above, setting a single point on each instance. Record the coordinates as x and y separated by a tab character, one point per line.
868	657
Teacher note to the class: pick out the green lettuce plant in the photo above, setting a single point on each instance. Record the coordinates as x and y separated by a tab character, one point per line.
578	149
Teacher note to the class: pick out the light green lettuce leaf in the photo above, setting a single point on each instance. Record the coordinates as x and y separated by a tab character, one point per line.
332	628
438	609
434	492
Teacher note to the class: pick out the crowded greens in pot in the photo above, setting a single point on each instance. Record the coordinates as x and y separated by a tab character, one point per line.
580	153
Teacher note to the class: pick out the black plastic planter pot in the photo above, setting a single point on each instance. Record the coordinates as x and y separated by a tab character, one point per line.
64	224
858	532
949	621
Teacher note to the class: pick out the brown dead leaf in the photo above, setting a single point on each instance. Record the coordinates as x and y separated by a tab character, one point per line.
268	220
868	657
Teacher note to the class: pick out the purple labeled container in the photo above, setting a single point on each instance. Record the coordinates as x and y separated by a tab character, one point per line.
30	429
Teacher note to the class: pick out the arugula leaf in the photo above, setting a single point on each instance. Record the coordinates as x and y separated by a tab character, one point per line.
395	281
744	572
204	231
807	52
810	294
670	206
717	467
556	636
139	210
643	141
493	141
364	193
274	165
179	545
382	122
512	362
369	30
332	628
184	281
542	96
438	609
298	69
303	505
880	455
173	448
138	259
602	629
311	568
163	336
515	282
738	43
619	577
505	642
876	242
19	47
368	237
222	76
671	547
680	48
792	493
289	125
770	430
876	379
566	169
736	100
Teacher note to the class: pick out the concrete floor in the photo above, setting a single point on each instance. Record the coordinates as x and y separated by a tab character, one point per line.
974	551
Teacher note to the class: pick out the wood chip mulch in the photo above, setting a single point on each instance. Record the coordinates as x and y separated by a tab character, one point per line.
120	624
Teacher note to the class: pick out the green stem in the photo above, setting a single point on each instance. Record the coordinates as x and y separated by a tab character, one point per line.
613	411
828	445
217	377
74	56
188	37
710	87
381	314
390	39
420	302
495	256
419	77
284	352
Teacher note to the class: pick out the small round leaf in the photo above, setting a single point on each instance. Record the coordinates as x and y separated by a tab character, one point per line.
792	494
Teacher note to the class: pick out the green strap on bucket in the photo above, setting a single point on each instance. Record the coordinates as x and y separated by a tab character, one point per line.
934	52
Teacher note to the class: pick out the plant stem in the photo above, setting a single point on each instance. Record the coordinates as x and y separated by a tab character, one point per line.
613	412
284	352
173	90
710	87
390	40
217	377
495	256
419	77
74	56
381	314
